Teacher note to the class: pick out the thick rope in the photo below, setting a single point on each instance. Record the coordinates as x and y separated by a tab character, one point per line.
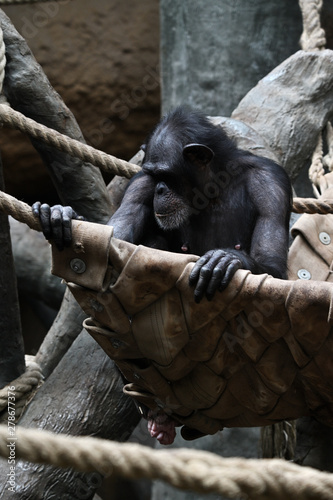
312	206
313	36
22	390
22	212
193	470
2	60
328	158
17	2
316	169
105	162
321	181
19	210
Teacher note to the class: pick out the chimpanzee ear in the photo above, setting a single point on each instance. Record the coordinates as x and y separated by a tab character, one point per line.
199	154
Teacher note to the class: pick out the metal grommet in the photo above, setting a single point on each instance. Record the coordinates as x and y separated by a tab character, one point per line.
78	266
304	274
325	238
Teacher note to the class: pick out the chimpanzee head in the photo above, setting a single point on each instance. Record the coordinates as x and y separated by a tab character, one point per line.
181	154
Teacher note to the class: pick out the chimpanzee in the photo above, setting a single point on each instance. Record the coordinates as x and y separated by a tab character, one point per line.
198	193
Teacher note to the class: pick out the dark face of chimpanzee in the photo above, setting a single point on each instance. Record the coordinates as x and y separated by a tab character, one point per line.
179	156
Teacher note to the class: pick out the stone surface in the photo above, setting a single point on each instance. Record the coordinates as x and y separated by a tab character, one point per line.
290	107
102	57
213	53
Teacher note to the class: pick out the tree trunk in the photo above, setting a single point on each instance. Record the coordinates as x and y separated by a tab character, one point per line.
32	257
82	396
83	391
12	363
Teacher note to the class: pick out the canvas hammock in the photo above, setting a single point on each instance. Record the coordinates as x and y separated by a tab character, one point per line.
259	353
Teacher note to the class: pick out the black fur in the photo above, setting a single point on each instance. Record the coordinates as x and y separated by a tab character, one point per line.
239	202
198	193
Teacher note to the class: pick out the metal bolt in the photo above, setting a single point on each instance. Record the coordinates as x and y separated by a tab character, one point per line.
304	274
78	266
325	238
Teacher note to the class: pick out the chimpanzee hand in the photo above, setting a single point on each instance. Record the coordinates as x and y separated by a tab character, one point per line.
56	222
213	271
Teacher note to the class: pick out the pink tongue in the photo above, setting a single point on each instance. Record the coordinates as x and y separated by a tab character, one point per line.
161	427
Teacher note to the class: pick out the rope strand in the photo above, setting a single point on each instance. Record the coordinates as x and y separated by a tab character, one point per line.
194	470
105	162
22	212
313	36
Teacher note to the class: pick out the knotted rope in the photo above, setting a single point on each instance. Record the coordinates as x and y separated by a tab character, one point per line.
194	470
22	389
320	180
313	36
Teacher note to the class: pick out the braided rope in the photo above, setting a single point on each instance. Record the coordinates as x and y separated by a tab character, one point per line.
313	36
316	169
328	158
312	206
17	2
22	387
22	212
19	210
106	162
199	471
2	60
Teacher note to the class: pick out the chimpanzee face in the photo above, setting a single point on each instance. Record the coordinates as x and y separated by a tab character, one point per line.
175	179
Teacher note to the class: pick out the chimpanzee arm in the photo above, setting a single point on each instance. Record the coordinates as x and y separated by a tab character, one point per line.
270	193
135	217
131	221
269	245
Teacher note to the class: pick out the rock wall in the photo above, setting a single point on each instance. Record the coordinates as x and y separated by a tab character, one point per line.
102	57
213	52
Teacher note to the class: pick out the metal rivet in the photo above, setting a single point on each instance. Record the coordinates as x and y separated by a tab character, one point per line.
325	238
304	274
136	375
78	266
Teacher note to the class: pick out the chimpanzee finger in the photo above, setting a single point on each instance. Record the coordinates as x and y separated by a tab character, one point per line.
36	208
194	276
44	217
210	259
214	283
67	215
206	275
221	263
234	265
56	221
